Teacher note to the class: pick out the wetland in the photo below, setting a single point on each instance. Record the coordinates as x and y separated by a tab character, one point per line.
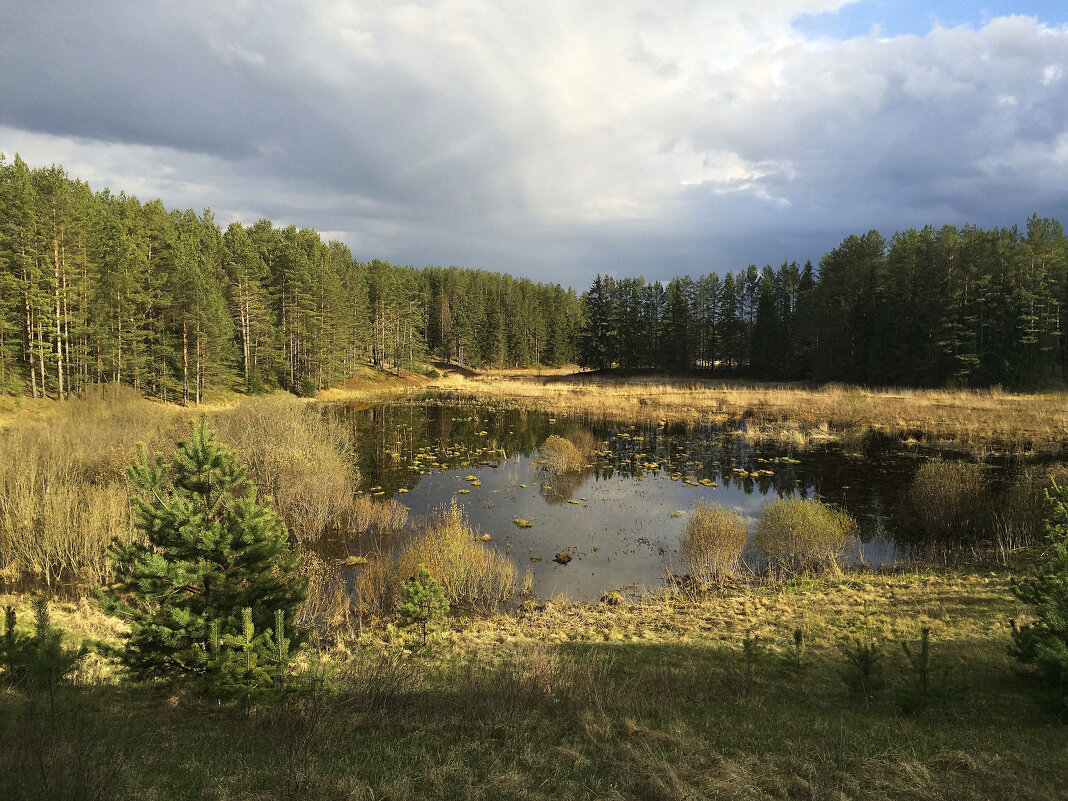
619	517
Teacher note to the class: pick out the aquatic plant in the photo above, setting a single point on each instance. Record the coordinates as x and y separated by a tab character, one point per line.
470	572
800	535
713	542
561	456
948	503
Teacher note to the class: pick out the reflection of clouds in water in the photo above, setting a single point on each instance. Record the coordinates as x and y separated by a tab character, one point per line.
629	520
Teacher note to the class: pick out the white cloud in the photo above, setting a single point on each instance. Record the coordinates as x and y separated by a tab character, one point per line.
467	131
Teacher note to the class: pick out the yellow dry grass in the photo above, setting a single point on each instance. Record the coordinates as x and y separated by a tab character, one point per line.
791	413
713	541
469	572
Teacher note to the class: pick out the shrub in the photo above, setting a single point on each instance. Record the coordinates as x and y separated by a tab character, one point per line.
561	456
584	441
469	571
947	503
63	495
1044	641
713	541
296	456
800	535
327	607
1019	517
211	551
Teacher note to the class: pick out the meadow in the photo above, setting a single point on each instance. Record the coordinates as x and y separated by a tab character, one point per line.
978	421
794	684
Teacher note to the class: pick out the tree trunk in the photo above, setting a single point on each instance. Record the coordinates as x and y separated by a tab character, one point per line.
185	363
59	323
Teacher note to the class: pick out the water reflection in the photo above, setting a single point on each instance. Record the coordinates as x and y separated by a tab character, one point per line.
621	517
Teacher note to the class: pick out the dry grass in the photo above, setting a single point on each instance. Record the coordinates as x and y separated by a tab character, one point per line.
64	492
792	414
713	542
63	489
804	536
559	455
471	573
368	385
296	455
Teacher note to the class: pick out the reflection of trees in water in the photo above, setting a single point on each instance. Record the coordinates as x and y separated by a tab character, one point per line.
562	486
870	487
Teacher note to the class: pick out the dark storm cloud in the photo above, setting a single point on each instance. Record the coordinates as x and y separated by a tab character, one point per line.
554	140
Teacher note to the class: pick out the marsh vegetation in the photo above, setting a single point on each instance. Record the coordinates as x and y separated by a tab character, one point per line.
686	689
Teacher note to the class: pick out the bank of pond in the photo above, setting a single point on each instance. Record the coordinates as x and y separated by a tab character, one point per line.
582	506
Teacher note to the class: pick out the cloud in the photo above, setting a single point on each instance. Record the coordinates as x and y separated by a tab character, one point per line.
553	139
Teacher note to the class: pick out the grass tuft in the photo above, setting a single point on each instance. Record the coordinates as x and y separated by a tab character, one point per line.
713	542
804	536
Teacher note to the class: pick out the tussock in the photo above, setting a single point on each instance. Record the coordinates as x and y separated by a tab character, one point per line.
713	541
471	572
801	536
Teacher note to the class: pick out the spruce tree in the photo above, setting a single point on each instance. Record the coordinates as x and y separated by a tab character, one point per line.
211	549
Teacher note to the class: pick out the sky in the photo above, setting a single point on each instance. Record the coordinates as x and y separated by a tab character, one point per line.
554	139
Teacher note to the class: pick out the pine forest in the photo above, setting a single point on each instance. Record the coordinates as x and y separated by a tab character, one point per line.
102	288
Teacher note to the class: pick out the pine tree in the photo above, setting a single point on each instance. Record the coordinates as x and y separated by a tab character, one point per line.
212	549
424	601
1044	641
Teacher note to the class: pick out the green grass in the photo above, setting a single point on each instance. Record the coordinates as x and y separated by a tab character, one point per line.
648	700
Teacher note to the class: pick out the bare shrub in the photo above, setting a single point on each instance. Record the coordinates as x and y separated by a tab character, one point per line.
54	523
804	535
713	542
376	586
296	456
328	607
1019	516
561	456
471	572
584	441
947	502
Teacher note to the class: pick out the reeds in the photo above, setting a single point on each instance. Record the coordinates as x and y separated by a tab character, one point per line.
471	573
713	542
64	495
804	536
560	455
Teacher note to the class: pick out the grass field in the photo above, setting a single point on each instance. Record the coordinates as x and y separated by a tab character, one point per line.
981	421
676	695
657	699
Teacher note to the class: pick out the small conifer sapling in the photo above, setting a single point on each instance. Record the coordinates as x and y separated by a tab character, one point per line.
424	602
211	549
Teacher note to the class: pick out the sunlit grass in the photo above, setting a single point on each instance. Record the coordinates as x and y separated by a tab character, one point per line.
792	414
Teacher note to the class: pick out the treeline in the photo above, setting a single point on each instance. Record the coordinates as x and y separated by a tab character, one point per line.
967	306
97	287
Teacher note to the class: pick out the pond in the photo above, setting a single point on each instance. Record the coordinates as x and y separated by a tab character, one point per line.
621	519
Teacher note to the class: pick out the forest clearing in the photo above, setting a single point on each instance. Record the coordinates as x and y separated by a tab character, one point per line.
791	684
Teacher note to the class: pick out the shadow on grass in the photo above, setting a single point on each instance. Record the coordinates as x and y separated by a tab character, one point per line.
571	721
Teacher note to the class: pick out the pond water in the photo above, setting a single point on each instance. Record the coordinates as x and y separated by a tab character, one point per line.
622	518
